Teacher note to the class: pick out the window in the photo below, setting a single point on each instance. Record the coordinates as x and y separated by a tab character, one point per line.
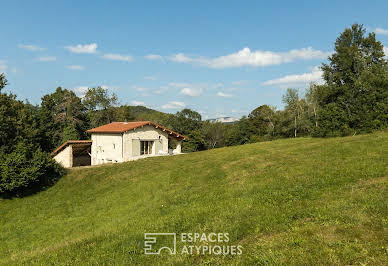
146	147
114	146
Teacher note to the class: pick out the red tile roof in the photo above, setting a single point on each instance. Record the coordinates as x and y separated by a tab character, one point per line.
121	127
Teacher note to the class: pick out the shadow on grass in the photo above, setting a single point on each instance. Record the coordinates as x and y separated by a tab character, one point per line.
44	182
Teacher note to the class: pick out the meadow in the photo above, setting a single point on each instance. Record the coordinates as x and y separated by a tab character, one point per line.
286	202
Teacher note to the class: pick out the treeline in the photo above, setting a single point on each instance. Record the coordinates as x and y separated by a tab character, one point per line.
353	99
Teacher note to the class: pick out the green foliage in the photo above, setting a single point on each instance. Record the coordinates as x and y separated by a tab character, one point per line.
27	169
17	122
356	85
186	121
70	133
100	106
263	120
296	110
3	81
61	117
240	133
213	134
196	142
124	113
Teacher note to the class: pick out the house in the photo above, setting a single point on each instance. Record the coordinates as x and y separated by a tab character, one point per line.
119	142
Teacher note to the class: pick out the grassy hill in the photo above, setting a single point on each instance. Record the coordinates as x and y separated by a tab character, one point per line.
294	201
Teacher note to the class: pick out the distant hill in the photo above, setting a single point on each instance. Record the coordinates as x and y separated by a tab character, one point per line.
226	119
137	111
303	201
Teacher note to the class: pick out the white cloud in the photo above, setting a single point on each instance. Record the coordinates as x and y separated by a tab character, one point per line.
232	89
83	49
181	58
118	57
381	31
246	57
137	103
192	92
174	105
150	78
298	79
76	67
239	82
31	47
15	70
225	95
47	58
142	89
162	89
177	84
3	66
154	57
385	51
81	90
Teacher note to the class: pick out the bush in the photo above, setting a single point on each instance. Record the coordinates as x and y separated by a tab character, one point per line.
27	170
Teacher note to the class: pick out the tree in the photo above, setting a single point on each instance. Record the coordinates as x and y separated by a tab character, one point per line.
23	165
27	169
17	120
186	121
355	96
100	106
3	81
61	117
296	109
213	134
263	120
124	113
240	133
312	100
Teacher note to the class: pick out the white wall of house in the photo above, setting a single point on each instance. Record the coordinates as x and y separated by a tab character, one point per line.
107	148
65	157
149	133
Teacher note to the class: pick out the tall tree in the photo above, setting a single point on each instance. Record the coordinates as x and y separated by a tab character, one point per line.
188	122
100	106
263	120
296	109
62	117
17	120
355	96
240	133
213	134
312	99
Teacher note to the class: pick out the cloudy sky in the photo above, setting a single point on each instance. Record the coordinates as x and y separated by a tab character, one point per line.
219	58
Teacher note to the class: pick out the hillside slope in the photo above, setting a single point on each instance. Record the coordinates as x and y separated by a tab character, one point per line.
294	201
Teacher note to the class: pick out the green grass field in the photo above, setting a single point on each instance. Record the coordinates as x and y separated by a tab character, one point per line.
292	202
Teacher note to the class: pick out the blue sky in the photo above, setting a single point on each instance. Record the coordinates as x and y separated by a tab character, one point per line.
220	58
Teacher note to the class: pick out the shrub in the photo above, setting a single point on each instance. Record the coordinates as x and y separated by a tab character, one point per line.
26	170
